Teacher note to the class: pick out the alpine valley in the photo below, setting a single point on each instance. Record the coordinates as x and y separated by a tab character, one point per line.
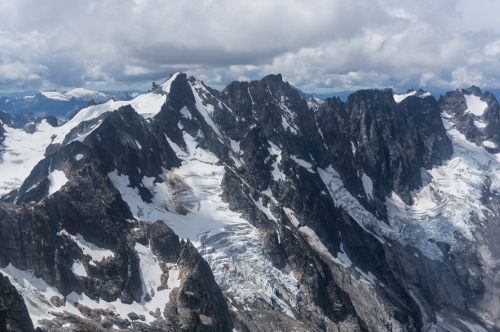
190	209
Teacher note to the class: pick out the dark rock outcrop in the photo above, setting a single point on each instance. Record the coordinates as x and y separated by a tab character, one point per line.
198	304
322	288
476	128
13	313
389	142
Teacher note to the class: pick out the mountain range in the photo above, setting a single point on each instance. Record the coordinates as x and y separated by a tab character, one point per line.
248	209
18	111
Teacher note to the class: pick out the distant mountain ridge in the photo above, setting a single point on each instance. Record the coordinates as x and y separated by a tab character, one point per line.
20	110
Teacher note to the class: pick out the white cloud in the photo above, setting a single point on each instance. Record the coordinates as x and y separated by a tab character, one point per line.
463	76
136	70
315	44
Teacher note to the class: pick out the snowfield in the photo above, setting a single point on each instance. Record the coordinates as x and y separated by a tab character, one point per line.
19	154
20	151
229	244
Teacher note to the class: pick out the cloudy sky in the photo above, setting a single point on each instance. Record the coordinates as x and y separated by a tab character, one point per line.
317	45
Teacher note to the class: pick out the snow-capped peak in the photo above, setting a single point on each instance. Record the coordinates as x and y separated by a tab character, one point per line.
165	86
85	94
55	95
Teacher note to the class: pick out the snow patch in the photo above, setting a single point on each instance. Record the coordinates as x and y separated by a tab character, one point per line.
78	268
288	115
57	180
342	256
79	157
165	86
276	151
83	136
303	163
286	125
264	209
291	215
317	245
475	105
400	98
119	308
367	277
36	294
185	113
342	197
489	144
480	124
472	326
96	253
235	146
205	110
151	274
367	185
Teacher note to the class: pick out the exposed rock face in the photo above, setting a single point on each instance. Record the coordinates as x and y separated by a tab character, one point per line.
198	305
322	287
47	238
372	135
476	115
13	313
247	209
163	241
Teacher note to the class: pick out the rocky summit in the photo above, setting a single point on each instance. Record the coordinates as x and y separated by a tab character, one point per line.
254	209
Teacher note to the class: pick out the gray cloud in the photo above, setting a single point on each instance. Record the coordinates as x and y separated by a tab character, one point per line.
317	45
